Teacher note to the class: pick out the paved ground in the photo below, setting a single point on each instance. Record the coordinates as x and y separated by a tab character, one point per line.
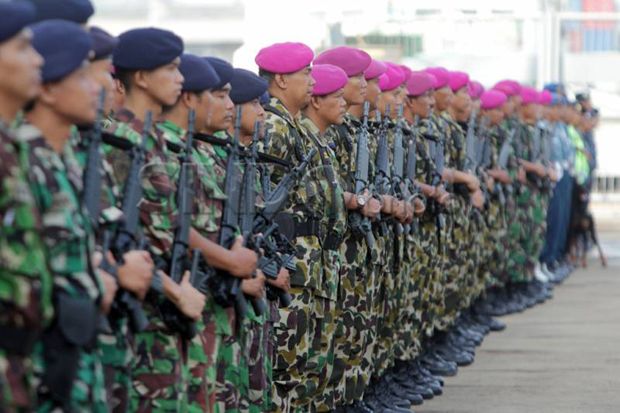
563	356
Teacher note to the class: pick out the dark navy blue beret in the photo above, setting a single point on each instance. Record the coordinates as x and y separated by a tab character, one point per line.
63	44
224	70
77	11
246	86
103	43
14	16
198	73
265	98
146	49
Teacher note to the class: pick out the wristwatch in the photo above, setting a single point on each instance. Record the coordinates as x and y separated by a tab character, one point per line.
361	200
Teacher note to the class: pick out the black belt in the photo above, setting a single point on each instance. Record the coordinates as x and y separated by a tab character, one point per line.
312	227
18	340
308	228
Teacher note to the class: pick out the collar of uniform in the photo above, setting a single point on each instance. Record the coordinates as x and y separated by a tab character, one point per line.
313	130
171	131
279	106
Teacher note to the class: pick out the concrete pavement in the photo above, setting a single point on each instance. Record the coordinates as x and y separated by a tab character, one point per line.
559	357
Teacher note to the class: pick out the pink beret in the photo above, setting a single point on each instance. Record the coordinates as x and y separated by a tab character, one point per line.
350	59
328	79
458	80
407	71
393	78
376	69
492	99
545	98
442	76
509	87
528	95
475	89
419	83
284	58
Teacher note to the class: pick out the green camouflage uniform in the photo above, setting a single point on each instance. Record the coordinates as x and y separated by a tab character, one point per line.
355	342
56	182
514	261
333	227
116	346
521	229
298	368
25	280
213	355
157	366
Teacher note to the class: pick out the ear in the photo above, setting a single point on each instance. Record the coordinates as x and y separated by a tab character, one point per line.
190	100
315	102
408	102
118	86
140	79
281	80
47	95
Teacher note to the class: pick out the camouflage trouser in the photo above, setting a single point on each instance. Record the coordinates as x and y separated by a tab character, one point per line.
321	361
253	375
473	284
293	333
457	259
497	244
228	367
352	313
539	224
398	295
269	344
158	384
88	390
384	357
409	317
520	232
116	356
432	263
367	292
201	368
16	384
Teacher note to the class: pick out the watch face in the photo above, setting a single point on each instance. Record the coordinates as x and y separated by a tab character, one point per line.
361	200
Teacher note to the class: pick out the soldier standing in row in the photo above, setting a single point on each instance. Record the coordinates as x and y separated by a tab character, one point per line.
26	292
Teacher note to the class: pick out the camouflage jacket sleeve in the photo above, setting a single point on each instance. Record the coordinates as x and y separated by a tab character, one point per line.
56	183
158	209
287	141
25	279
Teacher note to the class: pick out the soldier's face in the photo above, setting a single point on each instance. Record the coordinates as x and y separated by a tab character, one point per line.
299	86
164	84
372	92
462	103
391	100
443	98
331	108
529	111
100	71
355	90
20	69
74	98
422	105
508	108
250	113
495	116
220	110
